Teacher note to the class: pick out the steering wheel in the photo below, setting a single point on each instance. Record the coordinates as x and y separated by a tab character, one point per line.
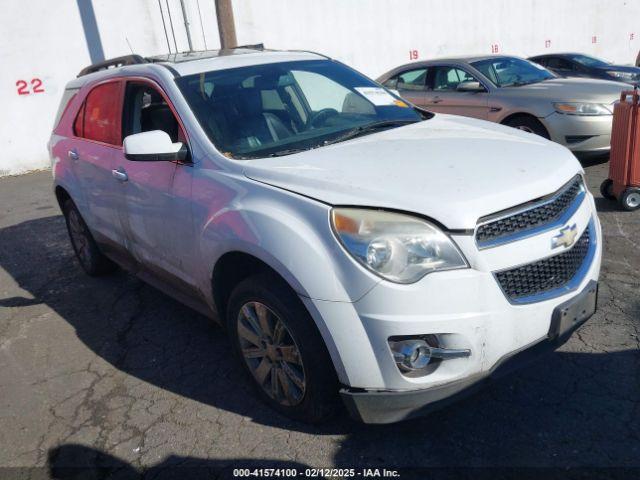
318	118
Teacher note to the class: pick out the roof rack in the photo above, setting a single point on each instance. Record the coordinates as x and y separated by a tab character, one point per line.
254	46
112	63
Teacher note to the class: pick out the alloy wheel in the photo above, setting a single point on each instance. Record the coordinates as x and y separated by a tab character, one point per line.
271	353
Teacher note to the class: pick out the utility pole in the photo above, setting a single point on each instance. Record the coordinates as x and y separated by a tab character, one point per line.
226	25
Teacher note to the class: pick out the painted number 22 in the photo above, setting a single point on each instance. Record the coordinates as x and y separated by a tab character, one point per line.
23	86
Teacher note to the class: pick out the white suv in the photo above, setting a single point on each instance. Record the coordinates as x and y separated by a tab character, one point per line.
353	245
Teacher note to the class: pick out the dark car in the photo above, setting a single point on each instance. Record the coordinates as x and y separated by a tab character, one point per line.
580	65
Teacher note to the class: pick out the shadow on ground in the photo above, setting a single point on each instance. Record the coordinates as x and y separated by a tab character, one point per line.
566	409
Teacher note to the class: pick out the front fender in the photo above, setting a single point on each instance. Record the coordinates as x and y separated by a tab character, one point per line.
292	235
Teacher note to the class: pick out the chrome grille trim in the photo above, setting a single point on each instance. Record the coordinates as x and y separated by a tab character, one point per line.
570	284
552	211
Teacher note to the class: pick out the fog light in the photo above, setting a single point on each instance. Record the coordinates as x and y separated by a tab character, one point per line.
411	354
416	354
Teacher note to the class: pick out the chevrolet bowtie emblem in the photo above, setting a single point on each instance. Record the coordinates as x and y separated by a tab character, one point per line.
566	237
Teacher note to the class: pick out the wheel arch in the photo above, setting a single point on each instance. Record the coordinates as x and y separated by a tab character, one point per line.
527	115
513	115
235	266
61	195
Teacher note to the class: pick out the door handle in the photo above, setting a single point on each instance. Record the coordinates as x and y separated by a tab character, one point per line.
120	175
436	100
73	154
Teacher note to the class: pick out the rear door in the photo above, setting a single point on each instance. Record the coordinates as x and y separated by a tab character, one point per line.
97	130
155	196
443	96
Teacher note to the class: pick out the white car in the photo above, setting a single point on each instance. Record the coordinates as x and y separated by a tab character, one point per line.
353	245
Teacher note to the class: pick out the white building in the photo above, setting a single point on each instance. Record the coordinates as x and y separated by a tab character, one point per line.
45	43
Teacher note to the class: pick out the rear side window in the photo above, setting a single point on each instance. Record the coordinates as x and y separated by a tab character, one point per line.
100	116
412	80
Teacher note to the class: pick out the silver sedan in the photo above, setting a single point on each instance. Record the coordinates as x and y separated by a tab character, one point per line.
574	112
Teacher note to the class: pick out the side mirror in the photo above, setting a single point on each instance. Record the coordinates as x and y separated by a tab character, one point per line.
470	87
153	146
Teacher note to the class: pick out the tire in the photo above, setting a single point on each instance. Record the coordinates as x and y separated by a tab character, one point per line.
306	385
630	199
528	124
606	189
91	259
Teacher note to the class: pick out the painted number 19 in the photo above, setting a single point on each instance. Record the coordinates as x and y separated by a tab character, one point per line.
413	54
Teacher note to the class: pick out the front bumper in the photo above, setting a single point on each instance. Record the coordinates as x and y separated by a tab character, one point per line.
465	309
580	134
389	406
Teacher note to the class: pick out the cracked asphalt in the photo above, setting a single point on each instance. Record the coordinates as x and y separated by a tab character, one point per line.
111	373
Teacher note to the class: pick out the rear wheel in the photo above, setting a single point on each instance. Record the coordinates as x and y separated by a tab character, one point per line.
92	261
528	124
630	199
279	346
606	189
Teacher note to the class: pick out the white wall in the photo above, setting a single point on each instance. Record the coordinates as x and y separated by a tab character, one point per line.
45	39
376	35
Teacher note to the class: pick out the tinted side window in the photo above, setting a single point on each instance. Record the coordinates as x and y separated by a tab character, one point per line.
448	78
78	124
146	110
412	80
560	64
99	118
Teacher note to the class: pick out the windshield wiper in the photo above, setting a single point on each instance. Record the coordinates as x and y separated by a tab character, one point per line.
352	133
288	151
369	128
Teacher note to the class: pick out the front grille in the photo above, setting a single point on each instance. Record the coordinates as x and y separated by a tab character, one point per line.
522	221
545	275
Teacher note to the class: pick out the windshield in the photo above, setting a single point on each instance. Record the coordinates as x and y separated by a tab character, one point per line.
511	71
589	61
283	108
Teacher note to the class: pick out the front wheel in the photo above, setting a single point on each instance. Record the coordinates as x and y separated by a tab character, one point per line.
528	124
279	346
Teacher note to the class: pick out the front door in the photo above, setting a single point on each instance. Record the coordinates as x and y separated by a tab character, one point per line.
444	96
155	209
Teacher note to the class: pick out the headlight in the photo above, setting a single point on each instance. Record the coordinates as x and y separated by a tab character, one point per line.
582	108
397	247
621	75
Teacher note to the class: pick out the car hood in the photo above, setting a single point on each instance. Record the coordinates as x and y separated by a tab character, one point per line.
449	168
570	90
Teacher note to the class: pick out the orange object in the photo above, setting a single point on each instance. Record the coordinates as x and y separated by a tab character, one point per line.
624	162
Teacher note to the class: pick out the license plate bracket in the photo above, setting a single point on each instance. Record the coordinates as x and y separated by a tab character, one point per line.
574	312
